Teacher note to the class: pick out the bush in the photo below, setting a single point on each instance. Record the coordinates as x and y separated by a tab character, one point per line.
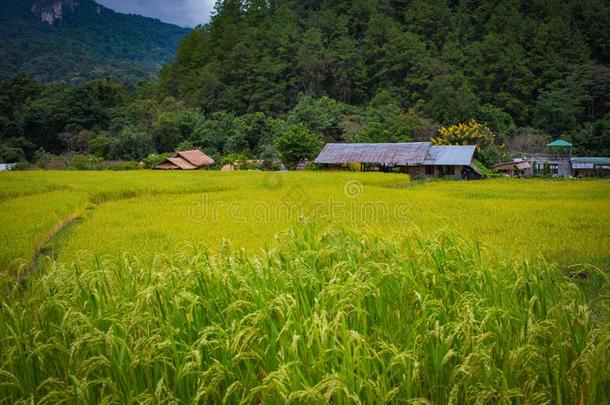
22	165
42	158
85	162
10	154
121	166
100	146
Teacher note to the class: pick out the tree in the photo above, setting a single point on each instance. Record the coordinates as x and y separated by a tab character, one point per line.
100	146
450	99
560	106
471	133
133	145
322	116
297	143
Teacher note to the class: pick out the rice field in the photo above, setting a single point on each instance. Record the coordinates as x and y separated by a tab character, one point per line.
302	288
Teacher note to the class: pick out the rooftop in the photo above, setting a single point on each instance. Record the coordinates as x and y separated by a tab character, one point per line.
559	143
450	155
397	154
595	160
392	154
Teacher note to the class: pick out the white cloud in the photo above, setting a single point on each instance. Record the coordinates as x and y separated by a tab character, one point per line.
181	12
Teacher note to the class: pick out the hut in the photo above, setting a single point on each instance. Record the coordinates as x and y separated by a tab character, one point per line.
518	167
418	159
187	160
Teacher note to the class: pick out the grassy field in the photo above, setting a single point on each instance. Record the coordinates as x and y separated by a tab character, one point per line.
303	287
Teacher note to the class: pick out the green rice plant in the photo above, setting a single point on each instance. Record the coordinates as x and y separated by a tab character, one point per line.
147	212
28	222
328	315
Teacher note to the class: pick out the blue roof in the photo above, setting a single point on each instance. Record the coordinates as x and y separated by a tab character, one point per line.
559	143
449	155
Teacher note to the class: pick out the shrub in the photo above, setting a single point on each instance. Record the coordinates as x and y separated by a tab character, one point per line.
42	158
100	146
85	162
129	165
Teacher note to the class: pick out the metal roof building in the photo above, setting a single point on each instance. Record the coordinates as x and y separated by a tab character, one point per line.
397	154
391	154
415	158
450	155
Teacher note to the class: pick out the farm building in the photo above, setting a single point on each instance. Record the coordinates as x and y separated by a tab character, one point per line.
590	166
187	160
517	167
559	162
418	159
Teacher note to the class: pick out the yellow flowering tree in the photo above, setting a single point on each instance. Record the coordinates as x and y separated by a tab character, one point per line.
470	133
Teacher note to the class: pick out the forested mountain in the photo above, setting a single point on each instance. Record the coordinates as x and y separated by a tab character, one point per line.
72	41
269	77
543	62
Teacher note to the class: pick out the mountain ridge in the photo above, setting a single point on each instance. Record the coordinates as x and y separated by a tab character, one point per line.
73	41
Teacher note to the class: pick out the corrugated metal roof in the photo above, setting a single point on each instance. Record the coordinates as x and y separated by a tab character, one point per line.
398	154
448	155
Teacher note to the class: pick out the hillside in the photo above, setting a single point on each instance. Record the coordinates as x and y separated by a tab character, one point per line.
72	41
312	72
544	63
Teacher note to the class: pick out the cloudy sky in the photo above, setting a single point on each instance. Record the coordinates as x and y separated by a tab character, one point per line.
187	13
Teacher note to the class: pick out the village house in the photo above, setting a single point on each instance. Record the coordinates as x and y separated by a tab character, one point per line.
518	167
418	159
187	160
590	166
560	162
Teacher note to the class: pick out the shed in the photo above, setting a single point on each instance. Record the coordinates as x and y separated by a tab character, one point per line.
415	158
387	154
513	168
590	166
186	160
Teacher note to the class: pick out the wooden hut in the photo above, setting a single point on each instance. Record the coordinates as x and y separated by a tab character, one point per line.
187	160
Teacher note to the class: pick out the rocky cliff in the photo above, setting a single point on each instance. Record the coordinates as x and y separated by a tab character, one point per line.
50	11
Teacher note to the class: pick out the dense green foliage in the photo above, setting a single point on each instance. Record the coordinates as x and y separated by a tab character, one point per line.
522	63
347	71
90	42
328	317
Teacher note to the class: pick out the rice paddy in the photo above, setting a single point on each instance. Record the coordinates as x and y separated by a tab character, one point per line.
302	288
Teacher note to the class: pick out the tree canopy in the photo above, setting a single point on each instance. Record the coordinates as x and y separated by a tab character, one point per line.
342	71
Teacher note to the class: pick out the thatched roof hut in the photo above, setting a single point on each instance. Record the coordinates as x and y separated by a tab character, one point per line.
187	160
